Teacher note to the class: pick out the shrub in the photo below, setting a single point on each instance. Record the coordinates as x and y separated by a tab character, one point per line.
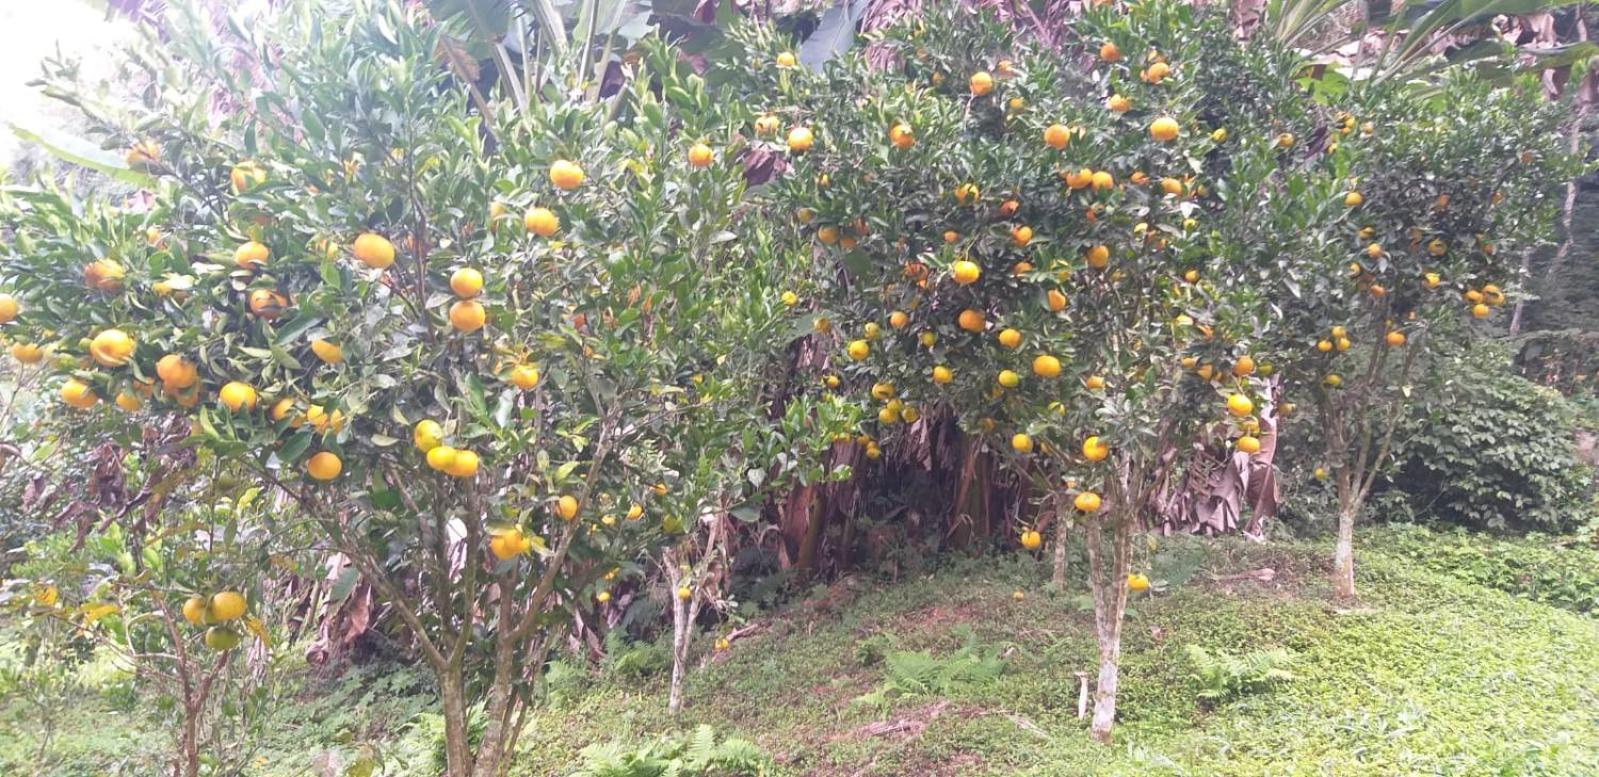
699	754
1489	449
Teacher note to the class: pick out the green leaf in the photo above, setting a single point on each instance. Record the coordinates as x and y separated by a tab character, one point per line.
75	150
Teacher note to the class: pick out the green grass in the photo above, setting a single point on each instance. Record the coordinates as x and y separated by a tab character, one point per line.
1433	674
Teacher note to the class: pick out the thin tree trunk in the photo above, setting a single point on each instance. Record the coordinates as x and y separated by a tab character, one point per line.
1343	578
1109	584
491	750
457	748
680	643
1057	578
189	744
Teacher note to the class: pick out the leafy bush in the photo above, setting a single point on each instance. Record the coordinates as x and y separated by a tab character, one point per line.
1489	449
699	754
1223	676
1534	567
635	660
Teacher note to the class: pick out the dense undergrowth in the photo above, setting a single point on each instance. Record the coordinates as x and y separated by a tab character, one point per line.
1453	664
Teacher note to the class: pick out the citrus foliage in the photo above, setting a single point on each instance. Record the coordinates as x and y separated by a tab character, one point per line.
507	361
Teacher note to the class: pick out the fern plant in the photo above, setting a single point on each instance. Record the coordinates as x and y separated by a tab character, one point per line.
697	755
1223	676
920	673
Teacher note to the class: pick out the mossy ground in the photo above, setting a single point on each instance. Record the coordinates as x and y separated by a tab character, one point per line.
1430	674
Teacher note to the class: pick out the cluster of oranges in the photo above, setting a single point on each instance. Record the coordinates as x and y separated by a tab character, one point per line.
215	614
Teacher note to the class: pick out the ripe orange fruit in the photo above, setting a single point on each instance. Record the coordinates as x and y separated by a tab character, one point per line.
1240	405
1032	540
967	191
194	610
462	465
1009	338
441	457
1098	257
27	353
427	435
176	372
1021	443
251	255
9	308
467	315
324	466
541	221
1021	235
509	544
1157	72
786	60
981	83
1244	366
1164	129
1118	104
524	376
965	272
858	350
373	250
1103	181
1333	380
1108	52
767	125
971	320
942	375
1046	366
246	175
1055	300
111	348
227	606
1353	200
1008	378
1095	449
104	275
898	319
1056	136
1248	444
267	305
828	235
1285	140
1087	502
78	395
1480	310
466	282
565	175
1395	338
1094	382
902	136
800	140
237	396
1437	247
566	507
700	155
1137	582
329	353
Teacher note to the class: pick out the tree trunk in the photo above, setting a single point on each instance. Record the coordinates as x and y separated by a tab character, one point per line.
1343	576
188	764
1057	578
1109	584
680	642
491	750
457	748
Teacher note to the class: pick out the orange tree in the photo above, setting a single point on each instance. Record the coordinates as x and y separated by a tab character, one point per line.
172	593
465	348
1437	197
1033	240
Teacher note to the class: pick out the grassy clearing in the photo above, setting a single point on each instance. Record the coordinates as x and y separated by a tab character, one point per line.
1433	674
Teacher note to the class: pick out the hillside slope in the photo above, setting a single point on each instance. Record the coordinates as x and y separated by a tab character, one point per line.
1430	676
